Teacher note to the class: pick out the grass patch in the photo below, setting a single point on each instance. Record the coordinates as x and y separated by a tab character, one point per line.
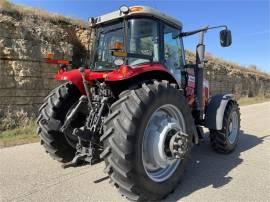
252	100
18	136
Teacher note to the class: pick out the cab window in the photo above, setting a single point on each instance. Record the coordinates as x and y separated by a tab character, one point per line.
143	40
173	54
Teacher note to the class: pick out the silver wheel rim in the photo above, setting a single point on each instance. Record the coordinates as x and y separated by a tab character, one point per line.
233	127
157	163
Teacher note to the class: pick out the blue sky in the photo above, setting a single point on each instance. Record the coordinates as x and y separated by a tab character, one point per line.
248	20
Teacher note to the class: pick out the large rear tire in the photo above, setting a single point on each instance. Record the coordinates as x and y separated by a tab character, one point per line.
126	140
52	115
225	140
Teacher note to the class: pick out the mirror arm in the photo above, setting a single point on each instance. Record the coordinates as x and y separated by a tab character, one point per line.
183	34
220	26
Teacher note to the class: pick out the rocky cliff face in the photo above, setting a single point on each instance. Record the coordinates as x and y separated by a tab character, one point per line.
227	77
27	38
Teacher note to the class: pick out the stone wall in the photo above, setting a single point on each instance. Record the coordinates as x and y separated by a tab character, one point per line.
228	77
24	83
27	39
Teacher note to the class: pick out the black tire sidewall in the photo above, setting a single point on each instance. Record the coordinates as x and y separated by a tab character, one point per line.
56	106
165	96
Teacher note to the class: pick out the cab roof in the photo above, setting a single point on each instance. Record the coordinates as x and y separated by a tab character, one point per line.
139	11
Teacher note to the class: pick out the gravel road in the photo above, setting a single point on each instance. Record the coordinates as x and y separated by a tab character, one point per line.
28	174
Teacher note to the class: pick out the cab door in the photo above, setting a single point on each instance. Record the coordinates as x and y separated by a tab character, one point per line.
173	51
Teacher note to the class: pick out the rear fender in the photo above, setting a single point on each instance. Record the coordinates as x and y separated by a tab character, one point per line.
215	110
121	77
154	74
73	76
113	78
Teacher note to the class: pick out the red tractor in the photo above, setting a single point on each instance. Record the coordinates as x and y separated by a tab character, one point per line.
137	105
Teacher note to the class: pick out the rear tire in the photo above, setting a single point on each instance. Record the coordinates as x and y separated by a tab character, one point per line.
51	118
225	140
124	136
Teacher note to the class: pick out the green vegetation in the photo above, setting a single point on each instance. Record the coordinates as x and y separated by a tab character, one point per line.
252	100
19	135
17	127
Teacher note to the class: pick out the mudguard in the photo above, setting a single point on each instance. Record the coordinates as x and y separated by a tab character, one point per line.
215	110
123	73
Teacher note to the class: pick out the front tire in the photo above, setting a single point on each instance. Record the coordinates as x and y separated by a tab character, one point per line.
225	140
125	132
52	115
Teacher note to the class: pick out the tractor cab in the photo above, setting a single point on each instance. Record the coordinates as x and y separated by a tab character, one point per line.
137	36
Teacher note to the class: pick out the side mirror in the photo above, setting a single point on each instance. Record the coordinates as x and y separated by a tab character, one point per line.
225	38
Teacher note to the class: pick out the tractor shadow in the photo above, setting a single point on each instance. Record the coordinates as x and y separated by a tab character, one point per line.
208	168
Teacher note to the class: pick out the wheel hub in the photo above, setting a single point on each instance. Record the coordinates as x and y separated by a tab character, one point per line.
158	156
161	142
233	127
179	145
